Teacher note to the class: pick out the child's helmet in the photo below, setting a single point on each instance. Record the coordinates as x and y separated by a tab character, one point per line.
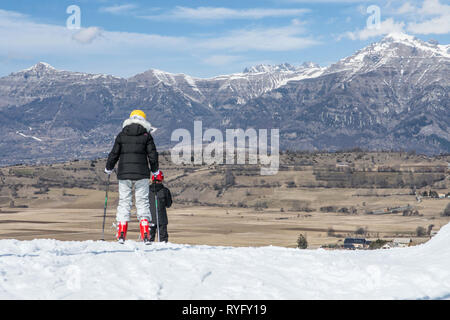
159	176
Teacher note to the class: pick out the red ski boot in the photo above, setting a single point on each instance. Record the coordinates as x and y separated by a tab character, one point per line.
145	231
122	231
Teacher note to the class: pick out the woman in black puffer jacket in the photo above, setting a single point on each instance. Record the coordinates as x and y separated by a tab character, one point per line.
134	149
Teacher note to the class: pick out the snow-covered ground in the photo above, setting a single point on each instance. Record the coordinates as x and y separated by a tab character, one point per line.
50	269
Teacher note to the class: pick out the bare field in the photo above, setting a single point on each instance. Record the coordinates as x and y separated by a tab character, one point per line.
80	218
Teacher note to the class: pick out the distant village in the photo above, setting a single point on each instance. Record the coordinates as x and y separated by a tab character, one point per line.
364	244
434	195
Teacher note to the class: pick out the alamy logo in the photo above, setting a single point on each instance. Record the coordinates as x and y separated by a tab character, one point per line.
73	22
235	147
374	20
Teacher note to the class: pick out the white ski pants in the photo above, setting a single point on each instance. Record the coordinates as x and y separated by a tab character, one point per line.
126	200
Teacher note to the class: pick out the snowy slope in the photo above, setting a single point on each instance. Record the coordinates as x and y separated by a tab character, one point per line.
50	269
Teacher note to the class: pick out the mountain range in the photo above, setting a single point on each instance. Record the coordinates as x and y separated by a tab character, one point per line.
392	94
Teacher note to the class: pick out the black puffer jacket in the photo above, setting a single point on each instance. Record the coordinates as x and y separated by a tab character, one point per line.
164	198
134	149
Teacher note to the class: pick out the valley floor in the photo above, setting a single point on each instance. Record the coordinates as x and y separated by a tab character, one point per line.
214	226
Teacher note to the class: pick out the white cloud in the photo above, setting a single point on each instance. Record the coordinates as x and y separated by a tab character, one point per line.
118	9
86	35
220	60
432	18
385	27
20	34
4	14
217	13
406	8
265	39
434	7
438	25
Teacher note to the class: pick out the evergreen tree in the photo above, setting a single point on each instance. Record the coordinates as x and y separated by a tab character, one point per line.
301	242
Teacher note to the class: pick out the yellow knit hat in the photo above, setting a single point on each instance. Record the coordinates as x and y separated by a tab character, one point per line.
139	113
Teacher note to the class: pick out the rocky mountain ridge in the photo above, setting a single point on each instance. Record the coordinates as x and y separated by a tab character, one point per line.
392	94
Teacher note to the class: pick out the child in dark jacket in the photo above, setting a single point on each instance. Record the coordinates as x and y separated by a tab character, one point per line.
160	197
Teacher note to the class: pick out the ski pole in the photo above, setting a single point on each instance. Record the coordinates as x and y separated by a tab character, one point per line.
157	213
106	204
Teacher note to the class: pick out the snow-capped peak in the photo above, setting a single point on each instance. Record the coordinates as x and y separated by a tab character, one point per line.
399	36
41	66
389	49
38	70
284	67
429	47
310	65
270	68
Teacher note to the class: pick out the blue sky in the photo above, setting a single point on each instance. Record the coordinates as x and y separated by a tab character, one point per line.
204	38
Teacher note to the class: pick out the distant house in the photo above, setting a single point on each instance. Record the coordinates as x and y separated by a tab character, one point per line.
380	211
356	243
341	165
401	242
390	210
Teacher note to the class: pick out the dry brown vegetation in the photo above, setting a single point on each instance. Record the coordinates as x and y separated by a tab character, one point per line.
312	194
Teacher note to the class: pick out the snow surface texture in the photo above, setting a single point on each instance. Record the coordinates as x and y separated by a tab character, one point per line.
50	269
